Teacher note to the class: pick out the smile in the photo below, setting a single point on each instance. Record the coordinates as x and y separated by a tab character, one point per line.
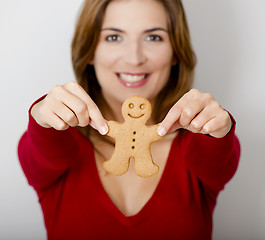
134	116
133	80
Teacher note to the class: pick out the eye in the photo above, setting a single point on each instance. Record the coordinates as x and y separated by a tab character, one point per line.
142	106
113	38
131	105
154	38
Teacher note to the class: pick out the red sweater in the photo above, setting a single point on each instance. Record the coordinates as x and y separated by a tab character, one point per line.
60	165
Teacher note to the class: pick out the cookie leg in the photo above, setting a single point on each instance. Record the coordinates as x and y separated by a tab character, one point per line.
117	165
144	165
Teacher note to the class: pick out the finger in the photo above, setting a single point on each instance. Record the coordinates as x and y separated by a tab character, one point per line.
182	113
174	127
198	109
66	114
210	126
45	115
56	122
73	103
219	126
192	103
57	115
79	109
170	122
63	104
200	120
189	112
97	121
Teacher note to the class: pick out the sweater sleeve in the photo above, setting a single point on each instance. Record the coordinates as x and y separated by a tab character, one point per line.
45	154
213	160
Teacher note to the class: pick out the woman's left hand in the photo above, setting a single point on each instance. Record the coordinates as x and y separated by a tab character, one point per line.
199	113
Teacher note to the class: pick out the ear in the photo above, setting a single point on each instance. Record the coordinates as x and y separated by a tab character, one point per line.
91	62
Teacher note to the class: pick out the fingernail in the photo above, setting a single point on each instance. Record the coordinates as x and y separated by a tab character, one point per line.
161	131
104	130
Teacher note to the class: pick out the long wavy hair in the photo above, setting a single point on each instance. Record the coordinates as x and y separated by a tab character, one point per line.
86	38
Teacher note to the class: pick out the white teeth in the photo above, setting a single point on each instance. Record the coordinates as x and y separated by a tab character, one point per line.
131	78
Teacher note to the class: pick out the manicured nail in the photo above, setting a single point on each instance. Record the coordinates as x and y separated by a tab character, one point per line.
161	131
104	130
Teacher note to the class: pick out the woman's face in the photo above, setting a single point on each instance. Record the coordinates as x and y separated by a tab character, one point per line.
134	54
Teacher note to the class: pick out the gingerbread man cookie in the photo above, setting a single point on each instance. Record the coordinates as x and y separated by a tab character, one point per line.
133	139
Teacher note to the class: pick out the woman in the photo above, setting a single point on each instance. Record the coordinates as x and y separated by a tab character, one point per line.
123	48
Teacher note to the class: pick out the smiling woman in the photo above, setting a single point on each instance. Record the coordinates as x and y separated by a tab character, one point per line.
166	33
123	48
139	61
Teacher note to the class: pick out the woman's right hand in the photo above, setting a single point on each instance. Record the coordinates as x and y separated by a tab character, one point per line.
68	105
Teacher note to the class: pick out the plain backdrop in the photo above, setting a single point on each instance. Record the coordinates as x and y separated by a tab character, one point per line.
229	39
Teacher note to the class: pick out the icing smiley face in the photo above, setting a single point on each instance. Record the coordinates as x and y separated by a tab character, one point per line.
136	108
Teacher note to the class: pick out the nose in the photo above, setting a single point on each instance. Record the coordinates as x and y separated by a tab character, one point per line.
134	53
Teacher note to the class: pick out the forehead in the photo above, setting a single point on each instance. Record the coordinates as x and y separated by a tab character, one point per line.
135	14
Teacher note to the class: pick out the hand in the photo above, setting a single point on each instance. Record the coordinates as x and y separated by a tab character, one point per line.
68	105
199	113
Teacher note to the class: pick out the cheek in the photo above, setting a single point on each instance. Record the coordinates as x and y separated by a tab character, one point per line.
163	68
162	59
161	73
104	57
165	59
104	65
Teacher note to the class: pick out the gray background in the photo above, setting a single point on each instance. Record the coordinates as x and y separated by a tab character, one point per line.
229	39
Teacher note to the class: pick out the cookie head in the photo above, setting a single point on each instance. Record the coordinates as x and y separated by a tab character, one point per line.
136	108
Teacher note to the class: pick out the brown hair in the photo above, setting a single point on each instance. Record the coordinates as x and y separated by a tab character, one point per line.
85	42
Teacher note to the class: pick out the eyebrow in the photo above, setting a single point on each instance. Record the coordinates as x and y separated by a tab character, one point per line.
146	31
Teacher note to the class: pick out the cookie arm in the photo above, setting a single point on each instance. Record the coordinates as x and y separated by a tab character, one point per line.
113	129
153	132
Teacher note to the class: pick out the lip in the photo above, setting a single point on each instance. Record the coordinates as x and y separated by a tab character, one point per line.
134	84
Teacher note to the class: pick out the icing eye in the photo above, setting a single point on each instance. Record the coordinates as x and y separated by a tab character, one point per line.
131	106
142	106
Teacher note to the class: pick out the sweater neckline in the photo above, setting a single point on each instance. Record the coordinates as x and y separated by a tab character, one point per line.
149	205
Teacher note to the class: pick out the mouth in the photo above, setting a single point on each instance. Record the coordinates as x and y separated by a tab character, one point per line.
133	80
135	116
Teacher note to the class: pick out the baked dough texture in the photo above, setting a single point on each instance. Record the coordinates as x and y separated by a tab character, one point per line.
133	139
